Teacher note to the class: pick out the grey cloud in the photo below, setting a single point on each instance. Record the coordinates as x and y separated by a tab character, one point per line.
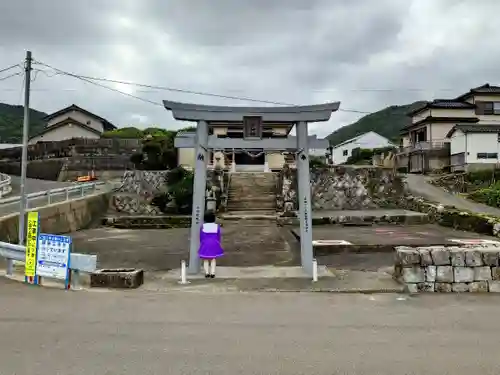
52	22
295	51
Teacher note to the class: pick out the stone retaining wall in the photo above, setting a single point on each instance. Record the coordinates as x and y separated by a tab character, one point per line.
343	188
452	217
449	268
61	217
139	187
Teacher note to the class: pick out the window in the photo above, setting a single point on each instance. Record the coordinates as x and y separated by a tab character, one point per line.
487	108
484	155
345	153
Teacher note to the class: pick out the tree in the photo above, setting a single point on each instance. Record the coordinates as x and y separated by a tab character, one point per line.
158	148
124	133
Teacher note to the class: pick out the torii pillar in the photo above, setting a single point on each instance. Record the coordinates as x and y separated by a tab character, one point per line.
255	117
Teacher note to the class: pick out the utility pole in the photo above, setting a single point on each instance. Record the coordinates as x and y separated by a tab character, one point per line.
24	158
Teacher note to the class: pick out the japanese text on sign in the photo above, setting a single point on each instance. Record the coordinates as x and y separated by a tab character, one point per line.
306	216
197	215
53	256
31	244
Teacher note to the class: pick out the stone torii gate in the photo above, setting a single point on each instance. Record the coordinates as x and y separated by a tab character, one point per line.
252	119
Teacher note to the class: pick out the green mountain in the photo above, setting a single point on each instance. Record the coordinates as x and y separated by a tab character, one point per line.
11	123
387	122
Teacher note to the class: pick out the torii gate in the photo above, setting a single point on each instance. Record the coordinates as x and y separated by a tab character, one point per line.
252	119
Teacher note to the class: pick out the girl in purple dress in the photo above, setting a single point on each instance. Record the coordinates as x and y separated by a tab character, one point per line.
210	247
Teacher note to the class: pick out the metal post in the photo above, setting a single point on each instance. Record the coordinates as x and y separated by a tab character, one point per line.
304	193
199	186
24	157
183	273
315	270
75	279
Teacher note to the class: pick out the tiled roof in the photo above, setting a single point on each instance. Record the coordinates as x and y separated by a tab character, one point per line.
476	128
483	89
487	88
107	125
443	103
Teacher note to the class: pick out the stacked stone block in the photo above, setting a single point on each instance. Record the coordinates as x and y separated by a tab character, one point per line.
449	268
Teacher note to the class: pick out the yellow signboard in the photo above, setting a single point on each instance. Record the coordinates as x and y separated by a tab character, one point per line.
31	244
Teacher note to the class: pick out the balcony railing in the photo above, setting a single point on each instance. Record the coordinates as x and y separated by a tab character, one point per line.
424	146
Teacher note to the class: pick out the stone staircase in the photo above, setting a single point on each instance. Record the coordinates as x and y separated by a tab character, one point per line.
252	191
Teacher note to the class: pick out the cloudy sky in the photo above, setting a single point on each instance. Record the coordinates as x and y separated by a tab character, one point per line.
368	54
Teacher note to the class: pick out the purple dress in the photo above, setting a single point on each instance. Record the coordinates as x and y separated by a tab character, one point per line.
210	237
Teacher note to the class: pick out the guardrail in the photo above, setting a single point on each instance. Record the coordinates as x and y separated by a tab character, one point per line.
68	192
78	262
5	184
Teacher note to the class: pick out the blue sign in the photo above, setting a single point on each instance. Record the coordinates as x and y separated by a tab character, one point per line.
53	256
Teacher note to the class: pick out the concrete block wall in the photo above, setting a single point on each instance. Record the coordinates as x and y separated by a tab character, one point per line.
449	268
61	217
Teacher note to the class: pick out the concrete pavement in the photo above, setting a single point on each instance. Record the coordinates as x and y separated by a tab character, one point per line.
46	331
418	185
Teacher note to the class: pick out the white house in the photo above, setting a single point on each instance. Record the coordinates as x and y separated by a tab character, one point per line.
370	140
474	146
72	122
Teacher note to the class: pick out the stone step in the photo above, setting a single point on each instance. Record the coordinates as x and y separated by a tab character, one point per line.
250	192
252	187
247	197
252	182
254	198
249	208
252	203
252	175
245	208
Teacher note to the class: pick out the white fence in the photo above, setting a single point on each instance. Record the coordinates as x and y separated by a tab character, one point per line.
57	195
5	185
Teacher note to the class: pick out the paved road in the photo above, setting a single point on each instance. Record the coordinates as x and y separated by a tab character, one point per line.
33	185
418	185
46	332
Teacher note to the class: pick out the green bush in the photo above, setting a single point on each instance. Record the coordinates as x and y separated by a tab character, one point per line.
484	177
316	162
182	193
179	190
365	155
489	195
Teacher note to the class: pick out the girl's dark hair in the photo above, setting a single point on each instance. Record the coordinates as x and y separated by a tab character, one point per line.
209	217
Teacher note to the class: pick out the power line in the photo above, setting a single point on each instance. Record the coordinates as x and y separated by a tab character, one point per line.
88	80
9	76
165	88
10	67
92	80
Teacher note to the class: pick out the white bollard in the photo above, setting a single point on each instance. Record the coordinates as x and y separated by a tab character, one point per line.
315	270
183	273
